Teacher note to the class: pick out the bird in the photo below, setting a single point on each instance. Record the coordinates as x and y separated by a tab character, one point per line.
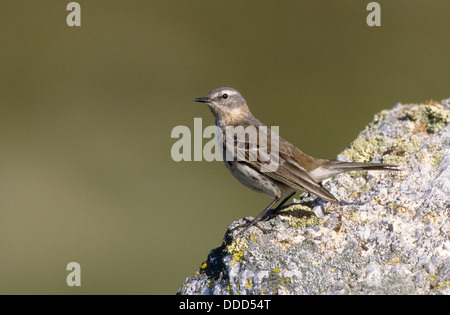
295	170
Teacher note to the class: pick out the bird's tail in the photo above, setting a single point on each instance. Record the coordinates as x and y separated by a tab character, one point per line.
333	167
357	166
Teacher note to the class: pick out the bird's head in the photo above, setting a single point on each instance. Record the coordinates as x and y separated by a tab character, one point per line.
226	104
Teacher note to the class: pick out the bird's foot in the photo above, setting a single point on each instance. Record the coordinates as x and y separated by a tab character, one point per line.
248	225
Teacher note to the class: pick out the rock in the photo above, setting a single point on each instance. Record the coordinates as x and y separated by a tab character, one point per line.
391	236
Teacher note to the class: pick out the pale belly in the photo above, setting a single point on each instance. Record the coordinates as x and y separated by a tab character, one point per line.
257	181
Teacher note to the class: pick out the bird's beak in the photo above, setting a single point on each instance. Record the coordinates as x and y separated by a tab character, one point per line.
202	100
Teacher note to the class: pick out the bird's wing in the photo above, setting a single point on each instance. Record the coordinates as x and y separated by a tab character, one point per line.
274	157
291	173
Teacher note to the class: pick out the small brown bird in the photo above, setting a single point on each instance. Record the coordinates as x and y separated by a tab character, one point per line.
295	170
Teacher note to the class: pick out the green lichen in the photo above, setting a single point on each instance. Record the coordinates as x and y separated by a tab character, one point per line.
399	150
433	117
419	156
299	217
380	117
365	188
356	174
409	145
391	206
437	158
446	143
364	149
395	159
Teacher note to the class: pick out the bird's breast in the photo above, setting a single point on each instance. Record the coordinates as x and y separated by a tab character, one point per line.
254	179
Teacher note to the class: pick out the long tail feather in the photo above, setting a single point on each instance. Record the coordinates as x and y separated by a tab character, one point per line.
355	166
331	168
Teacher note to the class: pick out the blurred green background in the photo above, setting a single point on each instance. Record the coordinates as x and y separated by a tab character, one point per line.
87	112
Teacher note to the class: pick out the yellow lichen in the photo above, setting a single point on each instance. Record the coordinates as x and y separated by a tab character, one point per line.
443	285
236	248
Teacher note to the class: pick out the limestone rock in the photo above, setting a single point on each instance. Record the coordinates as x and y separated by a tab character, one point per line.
391	236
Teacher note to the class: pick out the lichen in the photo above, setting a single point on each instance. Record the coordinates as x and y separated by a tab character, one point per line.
442	285
379	117
299	217
356	174
363	149
437	158
365	188
203	268
388	237
399	150
432	118
236	248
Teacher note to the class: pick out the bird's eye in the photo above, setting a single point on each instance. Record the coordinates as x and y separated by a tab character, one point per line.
225	96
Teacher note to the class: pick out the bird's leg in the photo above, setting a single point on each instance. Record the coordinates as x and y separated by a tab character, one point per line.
260	216
277	209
